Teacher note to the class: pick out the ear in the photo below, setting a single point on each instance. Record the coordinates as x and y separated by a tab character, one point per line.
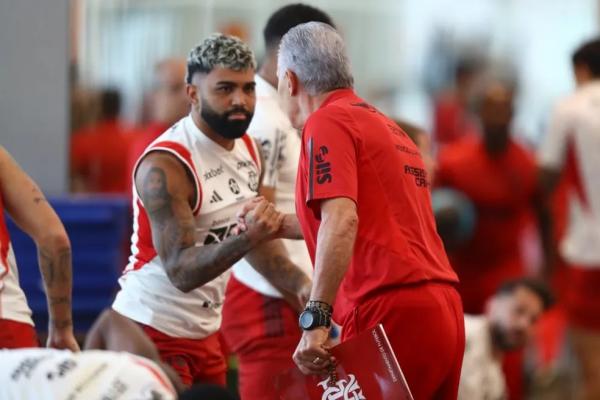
192	94
292	82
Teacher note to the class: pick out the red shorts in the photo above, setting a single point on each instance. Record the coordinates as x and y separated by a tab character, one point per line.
15	335
194	360
582	297
263	331
425	326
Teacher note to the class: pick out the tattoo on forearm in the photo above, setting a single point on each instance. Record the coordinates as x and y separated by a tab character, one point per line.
55	268
59	300
173	235
62	324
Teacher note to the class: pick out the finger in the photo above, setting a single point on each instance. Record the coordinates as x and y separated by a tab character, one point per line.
260	208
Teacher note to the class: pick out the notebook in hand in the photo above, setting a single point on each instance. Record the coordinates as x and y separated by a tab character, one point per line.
366	369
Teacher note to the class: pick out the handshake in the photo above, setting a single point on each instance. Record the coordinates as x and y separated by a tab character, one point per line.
259	219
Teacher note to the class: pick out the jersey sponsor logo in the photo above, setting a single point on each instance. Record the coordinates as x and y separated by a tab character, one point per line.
62	369
420	175
215	198
116	389
266	147
213	173
252	181
367	107
26	367
342	389
396	130
244	164
323	167
407	150
233	186
217	235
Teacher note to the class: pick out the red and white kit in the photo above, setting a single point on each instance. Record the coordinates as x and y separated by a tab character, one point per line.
16	325
183	325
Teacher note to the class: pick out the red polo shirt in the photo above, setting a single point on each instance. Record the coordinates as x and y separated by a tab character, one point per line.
352	150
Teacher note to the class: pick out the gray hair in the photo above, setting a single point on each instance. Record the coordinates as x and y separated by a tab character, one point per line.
316	53
219	50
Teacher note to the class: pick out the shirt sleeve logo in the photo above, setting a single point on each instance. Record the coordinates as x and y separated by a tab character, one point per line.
323	167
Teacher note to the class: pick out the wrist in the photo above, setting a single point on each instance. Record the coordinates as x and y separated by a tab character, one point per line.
317	314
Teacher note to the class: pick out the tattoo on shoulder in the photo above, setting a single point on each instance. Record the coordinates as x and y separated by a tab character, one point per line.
154	190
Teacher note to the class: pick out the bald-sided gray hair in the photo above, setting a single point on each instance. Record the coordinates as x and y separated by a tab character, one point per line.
219	50
316	53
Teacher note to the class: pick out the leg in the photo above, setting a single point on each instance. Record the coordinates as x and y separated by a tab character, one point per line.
263	331
586	344
15	335
172	353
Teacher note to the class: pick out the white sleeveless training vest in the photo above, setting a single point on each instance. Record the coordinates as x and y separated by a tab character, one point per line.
224	181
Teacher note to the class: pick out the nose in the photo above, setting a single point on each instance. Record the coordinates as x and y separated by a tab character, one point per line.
239	98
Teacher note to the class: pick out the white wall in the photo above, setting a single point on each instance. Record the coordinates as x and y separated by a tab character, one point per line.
34	88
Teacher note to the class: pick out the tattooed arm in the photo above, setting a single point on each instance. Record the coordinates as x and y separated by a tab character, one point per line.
167	191
26	204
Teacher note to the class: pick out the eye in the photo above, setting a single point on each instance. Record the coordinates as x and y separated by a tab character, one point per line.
249	89
224	89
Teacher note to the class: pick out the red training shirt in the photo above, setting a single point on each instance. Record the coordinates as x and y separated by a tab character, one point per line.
349	149
502	190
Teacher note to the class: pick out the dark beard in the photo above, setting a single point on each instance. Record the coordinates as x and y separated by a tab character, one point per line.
222	125
500	340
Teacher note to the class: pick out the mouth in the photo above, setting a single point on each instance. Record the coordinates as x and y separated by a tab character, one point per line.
238	116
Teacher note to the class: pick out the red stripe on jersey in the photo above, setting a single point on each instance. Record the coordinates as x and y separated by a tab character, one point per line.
573	174
155	373
4	241
249	142
185	156
146	250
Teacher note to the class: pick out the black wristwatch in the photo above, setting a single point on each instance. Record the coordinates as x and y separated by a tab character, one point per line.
315	314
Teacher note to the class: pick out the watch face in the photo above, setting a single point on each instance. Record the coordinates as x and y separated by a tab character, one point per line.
306	320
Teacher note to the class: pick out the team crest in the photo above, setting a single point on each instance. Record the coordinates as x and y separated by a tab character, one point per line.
342	390
253	181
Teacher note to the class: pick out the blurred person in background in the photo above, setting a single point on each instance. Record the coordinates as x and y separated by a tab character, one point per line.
498	176
25	203
189	183
168	103
260	324
452	118
507	325
572	147
99	152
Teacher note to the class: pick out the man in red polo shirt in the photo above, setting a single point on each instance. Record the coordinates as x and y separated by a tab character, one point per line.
499	176
363	207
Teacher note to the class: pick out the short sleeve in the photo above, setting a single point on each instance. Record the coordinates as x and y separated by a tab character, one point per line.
553	148
270	137
331	149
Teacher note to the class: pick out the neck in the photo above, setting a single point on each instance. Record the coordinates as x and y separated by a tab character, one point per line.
210	133
309	104
268	70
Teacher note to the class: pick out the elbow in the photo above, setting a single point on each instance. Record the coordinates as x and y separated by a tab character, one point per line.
178	280
348	221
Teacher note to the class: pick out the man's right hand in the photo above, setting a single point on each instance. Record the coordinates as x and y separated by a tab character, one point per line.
262	222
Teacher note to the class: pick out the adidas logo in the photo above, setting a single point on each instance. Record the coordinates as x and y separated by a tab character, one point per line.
215	198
